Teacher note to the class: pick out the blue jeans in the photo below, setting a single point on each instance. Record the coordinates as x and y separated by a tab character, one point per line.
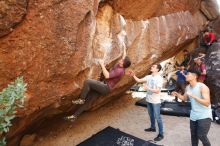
154	112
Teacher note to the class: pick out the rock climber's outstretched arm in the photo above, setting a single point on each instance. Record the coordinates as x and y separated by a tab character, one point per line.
104	70
124	51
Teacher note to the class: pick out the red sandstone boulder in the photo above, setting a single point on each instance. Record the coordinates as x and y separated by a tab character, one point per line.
11	14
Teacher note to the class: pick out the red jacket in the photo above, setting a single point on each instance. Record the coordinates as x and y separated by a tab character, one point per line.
209	38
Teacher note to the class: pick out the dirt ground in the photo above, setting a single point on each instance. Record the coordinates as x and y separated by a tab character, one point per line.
122	114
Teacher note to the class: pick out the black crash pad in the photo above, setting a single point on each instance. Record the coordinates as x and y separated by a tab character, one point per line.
170	108
141	102
175	109
168	89
114	137
135	88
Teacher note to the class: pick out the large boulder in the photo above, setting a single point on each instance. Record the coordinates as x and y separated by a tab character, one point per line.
213	72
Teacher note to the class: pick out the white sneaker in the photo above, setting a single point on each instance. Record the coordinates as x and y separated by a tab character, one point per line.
78	101
71	118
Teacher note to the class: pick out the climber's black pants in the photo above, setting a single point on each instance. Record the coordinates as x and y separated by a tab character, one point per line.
91	89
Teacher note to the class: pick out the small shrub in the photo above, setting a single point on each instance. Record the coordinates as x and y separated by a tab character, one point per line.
11	98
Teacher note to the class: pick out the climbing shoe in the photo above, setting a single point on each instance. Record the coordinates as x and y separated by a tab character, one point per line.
78	101
71	118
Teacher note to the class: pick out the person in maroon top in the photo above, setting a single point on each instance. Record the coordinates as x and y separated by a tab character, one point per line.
94	88
115	74
201	67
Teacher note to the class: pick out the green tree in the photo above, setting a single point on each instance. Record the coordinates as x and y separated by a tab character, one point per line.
11	98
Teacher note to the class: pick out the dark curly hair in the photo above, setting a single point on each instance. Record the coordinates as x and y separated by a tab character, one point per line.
159	67
127	62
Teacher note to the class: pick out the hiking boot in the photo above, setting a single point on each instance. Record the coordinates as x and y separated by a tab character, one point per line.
78	101
159	137
150	130
71	118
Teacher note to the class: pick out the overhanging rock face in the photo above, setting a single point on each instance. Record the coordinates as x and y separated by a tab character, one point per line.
57	45
145	9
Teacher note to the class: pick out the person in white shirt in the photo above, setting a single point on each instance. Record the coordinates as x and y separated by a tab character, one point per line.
153	86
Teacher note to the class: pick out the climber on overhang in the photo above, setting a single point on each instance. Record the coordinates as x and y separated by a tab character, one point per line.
94	88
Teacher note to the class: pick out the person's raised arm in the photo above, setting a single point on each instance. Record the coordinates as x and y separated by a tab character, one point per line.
203	69
205	94
104	70
124	51
131	73
183	73
182	97
203	72
201	55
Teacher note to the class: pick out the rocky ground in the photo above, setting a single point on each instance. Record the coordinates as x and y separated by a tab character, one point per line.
122	114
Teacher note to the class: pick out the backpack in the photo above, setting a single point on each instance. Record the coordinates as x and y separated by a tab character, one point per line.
217	117
216	114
